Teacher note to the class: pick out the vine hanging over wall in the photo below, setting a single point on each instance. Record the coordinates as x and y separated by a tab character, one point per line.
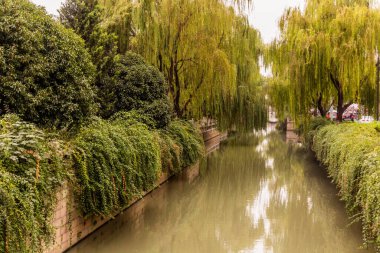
32	167
119	159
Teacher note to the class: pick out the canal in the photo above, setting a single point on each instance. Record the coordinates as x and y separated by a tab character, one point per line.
256	194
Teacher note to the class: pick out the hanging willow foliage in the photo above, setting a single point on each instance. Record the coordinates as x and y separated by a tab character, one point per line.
207	52
327	54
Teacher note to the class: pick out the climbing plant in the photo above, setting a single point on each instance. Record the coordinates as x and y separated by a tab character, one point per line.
32	166
119	159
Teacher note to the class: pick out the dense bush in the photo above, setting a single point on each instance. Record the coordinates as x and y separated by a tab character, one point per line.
190	140
31	169
136	85
309	129
117	160
181	145
351	153
45	71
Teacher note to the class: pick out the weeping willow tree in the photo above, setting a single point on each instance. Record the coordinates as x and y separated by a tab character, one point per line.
206	50
279	96
327	54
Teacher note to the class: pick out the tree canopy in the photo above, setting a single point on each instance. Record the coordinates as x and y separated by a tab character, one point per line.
45	71
325	56
206	50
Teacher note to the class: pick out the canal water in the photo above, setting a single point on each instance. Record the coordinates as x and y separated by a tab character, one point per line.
256	194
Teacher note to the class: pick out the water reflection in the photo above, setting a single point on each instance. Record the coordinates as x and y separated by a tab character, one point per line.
256	194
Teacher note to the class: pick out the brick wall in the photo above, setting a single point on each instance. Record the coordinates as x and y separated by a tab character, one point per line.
70	227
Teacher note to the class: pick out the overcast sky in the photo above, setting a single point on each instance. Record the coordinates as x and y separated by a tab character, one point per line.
264	14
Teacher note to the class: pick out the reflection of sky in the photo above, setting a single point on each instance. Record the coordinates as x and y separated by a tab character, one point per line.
269	163
259	247
257	211
262	147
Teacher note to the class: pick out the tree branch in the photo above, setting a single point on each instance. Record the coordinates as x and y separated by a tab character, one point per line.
192	94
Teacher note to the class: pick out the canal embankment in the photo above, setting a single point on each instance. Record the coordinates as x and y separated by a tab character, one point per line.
257	193
71	226
58	187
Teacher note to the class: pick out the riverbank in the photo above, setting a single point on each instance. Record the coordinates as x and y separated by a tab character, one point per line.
351	154
71	227
255	194
52	183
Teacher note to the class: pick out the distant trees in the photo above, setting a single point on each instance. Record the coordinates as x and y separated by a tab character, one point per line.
327	51
45	71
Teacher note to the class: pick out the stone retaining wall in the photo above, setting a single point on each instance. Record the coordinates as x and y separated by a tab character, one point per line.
70	227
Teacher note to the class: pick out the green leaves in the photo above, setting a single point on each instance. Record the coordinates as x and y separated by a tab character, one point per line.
45	72
204	49
32	166
324	56
351	153
119	159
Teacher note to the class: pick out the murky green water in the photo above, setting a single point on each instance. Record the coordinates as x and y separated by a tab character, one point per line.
254	195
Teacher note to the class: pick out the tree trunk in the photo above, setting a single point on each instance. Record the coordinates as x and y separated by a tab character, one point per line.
177	95
321	109
340	108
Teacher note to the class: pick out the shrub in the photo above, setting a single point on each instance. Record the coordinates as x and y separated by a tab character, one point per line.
31	169
312	127
159	111
136	85
189	138
45	71
351	153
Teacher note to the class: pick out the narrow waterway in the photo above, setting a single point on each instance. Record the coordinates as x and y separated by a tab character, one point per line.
256	194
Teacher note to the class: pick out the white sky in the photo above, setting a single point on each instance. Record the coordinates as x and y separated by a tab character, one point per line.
264	15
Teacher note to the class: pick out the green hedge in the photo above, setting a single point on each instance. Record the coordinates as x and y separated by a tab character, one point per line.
351	153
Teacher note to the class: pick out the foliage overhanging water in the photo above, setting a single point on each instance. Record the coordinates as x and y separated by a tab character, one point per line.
257	194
